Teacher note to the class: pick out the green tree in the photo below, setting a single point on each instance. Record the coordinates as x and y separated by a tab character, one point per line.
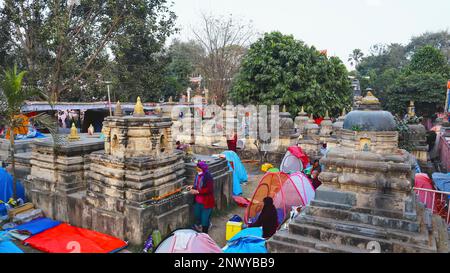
429	60
12	98
355	57
66	45
281	70
427	90
423	81
439	40
185	60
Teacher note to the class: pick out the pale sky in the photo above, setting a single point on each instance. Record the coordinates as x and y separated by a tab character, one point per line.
336	25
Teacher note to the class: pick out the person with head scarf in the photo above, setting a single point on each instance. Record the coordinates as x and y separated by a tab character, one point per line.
268	219
203	189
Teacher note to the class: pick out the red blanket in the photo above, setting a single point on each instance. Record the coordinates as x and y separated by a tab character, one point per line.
65	238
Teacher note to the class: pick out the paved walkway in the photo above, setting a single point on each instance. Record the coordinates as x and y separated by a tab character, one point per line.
217	232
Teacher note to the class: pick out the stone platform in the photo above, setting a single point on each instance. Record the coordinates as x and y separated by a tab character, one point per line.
58	172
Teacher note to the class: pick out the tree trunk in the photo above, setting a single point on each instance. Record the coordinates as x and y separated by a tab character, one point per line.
13	163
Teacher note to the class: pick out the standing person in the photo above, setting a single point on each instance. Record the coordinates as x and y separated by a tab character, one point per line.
268	219
203	189
232	143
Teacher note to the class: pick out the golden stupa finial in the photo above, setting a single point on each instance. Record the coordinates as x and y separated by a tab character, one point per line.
118	110
73	133
370	98
303	110
284	108
138	108
327	115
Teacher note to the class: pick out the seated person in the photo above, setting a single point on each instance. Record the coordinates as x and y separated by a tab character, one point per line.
268	219
180	146
316	166
315	179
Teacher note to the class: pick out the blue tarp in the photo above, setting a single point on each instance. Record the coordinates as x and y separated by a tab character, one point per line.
249	240
6	246
36	226
6	187
239	172
442	181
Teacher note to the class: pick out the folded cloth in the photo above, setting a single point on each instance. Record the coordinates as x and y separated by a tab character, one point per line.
36	226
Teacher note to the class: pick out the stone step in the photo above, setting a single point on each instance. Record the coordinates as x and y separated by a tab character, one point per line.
276	246
328	247
340	206
353	216
352	239
368	230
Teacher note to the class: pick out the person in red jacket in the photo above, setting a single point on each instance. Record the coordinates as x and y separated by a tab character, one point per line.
203	189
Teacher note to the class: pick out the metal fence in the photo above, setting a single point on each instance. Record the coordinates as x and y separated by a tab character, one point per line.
436	201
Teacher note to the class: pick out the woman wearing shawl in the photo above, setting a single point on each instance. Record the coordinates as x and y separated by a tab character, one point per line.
268	219
203	189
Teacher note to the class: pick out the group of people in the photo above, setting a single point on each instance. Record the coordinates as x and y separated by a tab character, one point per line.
203	190
204	202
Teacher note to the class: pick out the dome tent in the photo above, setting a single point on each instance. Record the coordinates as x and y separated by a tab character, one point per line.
188	241
294	160
286	190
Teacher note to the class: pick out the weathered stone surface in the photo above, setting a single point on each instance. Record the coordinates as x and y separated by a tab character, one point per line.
366	198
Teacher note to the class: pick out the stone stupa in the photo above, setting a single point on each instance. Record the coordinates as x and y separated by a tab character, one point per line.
366	202
134	184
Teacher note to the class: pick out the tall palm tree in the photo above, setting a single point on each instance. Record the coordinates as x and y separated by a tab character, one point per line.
355	57
12	97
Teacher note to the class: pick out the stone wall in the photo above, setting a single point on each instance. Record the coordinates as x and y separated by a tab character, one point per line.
223	179
55	174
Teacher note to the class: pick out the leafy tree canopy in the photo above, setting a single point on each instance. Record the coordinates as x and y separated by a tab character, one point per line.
279	70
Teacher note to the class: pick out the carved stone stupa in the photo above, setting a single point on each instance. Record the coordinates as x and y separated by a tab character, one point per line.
131	183
366	198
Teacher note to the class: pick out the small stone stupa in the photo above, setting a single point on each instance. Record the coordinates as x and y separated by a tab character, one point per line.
301	120
417	138
73	133
366	202
118	110
134	184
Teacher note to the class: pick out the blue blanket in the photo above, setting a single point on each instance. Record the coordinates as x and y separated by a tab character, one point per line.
248	240
36	226
6	246
239	172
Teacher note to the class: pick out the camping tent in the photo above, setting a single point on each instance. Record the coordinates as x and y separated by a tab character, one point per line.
442	181
286	190
188	241
422	181
6	187
294	160
239	172
248	240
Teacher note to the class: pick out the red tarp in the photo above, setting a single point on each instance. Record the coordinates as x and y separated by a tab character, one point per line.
65	238
298	153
